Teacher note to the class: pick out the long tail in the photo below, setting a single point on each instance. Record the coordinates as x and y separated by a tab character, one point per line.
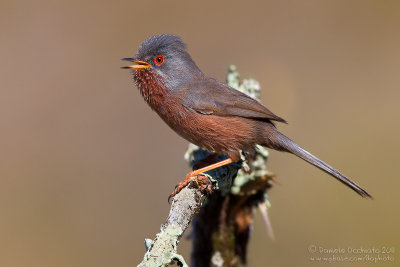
283	143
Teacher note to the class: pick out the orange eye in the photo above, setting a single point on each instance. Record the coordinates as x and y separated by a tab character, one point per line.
159	60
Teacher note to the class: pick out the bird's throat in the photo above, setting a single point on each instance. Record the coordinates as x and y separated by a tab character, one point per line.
151	87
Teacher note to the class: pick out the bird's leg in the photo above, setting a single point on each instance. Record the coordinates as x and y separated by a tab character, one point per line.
210	167
195	173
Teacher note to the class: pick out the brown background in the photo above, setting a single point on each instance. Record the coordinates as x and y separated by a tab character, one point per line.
86	167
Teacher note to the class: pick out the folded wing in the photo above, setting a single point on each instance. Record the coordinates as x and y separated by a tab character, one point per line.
222	100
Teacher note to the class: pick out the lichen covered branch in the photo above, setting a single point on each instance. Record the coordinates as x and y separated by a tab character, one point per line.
162	251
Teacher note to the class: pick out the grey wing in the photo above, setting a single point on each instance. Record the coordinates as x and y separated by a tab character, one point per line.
213	97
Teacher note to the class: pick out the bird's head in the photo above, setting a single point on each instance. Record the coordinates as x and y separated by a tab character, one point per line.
163	58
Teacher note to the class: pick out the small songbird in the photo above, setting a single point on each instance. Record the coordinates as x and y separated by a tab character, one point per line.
207	112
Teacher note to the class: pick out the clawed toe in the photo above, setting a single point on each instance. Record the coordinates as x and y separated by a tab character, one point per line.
180	186
202	182
172	195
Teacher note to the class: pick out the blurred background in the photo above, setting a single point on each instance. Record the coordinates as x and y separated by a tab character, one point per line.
86	167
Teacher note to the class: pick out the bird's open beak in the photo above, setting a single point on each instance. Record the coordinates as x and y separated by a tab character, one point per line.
139	64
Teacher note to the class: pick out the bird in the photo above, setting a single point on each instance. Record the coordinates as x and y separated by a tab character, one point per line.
207	112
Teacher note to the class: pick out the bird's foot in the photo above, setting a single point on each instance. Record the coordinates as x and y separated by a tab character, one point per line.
203	183
180	186
195	174
200	181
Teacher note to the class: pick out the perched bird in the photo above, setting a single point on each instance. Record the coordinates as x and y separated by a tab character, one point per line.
207	112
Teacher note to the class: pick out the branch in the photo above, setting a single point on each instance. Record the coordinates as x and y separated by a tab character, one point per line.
162	251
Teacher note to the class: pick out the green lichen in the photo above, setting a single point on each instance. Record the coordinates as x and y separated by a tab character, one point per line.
165	252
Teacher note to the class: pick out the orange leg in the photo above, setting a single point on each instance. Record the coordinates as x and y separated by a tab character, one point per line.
210	167
206	161
195	173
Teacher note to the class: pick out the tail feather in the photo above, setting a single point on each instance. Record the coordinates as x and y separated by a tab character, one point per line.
284	143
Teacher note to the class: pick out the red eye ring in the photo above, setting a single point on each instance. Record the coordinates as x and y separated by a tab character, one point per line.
159	60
